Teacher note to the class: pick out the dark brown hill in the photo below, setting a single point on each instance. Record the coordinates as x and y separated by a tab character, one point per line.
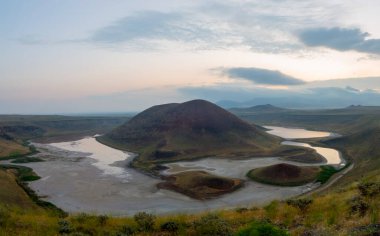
186	130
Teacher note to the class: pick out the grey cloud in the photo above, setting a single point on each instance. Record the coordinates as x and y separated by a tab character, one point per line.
322	97
262	76
216	24
341	39
150	25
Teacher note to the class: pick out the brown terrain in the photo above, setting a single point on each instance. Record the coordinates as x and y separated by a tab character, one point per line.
284	174
200	184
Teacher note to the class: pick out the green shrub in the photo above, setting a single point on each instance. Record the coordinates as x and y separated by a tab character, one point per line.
64	227
262	229
326	173
212	225
145	221
170	226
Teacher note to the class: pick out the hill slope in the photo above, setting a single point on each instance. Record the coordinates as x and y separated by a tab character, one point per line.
192	129
345	121
363	150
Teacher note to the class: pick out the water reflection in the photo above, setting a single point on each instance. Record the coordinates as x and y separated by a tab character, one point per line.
103	155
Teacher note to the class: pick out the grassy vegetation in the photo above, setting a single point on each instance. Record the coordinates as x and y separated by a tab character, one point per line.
12	149
23	173
26	160
11	193
200	184
326	173
21	176
353	210
284	174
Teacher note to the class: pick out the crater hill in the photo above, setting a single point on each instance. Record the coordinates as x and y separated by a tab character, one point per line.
285	174
188	130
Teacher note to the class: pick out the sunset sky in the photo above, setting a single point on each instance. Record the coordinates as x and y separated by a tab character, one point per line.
117	56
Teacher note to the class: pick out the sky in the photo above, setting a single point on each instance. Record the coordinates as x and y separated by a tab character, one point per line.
119	56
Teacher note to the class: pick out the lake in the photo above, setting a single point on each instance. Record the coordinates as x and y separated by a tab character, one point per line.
87	176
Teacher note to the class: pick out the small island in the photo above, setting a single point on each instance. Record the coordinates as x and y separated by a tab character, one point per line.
284	174
200	185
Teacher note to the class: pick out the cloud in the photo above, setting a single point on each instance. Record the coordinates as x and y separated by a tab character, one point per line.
262	76
341	39
151	25
321	97
215	24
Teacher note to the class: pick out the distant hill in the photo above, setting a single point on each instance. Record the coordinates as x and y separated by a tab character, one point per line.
41	127
259	108
196	128
347	120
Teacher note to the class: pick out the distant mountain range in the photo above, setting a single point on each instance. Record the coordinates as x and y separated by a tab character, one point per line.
310	95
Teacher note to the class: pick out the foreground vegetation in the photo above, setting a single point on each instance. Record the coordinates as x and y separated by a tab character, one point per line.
353	210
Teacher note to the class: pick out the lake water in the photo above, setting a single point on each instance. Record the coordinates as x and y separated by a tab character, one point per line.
332	156
105	156
296	133
87	176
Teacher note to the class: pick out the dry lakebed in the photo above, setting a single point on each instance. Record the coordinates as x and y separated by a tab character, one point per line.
87	176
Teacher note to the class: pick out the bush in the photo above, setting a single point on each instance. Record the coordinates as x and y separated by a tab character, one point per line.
145	221
358	206
170	226
102	219
241	210
302	204
369	189
64	227
262	229
125	230
4	216
82	218
212	225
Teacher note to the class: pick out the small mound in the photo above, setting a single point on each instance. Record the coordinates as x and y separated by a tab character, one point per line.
284	174
216	183
282	170
200	184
